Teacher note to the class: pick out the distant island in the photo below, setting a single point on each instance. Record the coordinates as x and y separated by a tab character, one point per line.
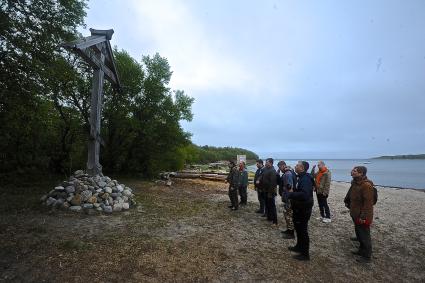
407	156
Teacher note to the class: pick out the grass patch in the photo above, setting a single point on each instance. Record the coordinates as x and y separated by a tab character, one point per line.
76	245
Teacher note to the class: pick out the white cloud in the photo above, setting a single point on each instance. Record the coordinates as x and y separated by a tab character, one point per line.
199	60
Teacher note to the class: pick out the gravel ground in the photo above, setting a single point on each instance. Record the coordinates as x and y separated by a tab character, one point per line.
186	233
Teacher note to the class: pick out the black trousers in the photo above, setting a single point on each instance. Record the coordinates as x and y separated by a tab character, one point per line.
301	216
233	195
363	235
271	209
261	200
266	204
243	194
323	206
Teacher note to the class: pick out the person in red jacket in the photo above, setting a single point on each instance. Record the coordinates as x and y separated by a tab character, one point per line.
359	200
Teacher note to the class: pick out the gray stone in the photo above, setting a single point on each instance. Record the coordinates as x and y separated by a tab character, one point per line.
70	189
114	195
107	179
59	202
108	190
50	201
59	188
110	200
117	207
168	183
78	173
68	199
75	208
114	189
125	206
120	188
125	198
107	209
87	205
127	193
66	205
96	205
99	190
102	184
99	209
85	195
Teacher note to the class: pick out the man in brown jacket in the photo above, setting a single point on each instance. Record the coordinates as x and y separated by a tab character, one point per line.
359	200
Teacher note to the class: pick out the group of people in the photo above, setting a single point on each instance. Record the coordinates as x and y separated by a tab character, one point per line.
296	187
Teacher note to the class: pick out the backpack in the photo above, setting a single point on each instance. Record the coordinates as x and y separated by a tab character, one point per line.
375	195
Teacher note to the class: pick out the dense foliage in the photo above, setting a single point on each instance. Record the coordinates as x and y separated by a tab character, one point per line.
45	101
207	154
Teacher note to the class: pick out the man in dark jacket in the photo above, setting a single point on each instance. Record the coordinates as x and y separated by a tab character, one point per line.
233	180
268	180
302	203
257	185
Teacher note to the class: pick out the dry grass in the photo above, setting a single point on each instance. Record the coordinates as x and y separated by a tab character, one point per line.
183	233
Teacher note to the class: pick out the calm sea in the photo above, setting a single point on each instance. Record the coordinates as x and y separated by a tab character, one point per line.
395	173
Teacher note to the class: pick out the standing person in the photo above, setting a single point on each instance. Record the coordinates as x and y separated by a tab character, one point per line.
233	180
268	180
302	203
243	183
360	200
289	180
323	184
257	186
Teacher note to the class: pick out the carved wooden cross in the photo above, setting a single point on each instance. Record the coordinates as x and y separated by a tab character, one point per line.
96	51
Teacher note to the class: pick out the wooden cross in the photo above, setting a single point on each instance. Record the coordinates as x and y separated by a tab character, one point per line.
96	51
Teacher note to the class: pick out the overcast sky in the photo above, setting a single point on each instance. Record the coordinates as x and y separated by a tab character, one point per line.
288	79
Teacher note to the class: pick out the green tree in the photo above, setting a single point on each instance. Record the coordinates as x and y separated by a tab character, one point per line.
30	32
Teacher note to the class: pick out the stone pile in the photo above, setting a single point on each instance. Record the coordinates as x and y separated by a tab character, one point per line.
88	193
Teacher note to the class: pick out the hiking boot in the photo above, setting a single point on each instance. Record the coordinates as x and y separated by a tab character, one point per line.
230	206
357	253
301	257
363	259
294	249
289	234
234	208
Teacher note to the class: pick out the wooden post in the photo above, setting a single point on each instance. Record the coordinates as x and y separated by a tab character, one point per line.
93	164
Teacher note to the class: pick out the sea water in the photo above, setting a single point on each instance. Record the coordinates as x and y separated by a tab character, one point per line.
403	173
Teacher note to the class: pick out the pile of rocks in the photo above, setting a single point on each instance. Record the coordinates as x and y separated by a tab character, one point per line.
88	193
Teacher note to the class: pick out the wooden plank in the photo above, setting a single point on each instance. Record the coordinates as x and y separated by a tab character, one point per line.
92	59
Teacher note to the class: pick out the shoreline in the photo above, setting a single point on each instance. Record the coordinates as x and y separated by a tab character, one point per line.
386	187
